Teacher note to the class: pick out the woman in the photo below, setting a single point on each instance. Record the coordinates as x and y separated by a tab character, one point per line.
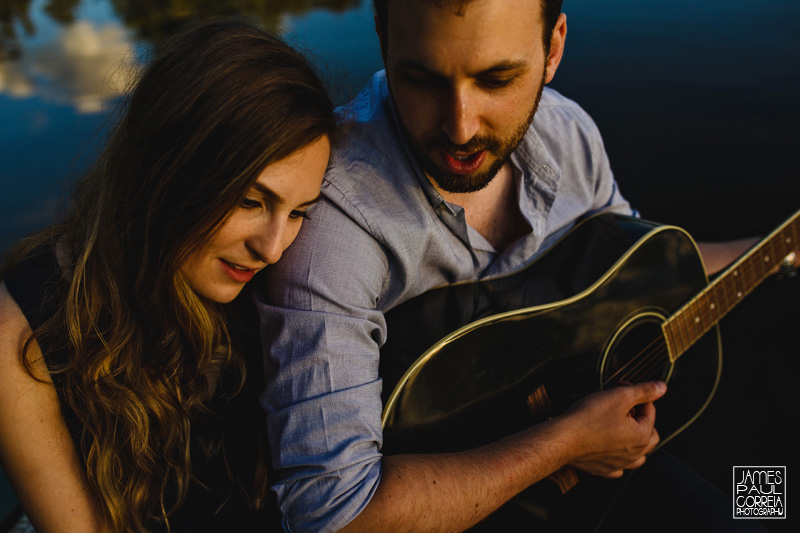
123	400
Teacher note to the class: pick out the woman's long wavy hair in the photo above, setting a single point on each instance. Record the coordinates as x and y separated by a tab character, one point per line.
219	102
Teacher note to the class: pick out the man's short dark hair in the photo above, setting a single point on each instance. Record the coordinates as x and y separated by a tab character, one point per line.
551	9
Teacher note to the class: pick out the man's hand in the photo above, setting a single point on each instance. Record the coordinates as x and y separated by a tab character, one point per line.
615	428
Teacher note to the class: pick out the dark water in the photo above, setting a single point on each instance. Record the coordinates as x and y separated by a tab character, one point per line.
697	99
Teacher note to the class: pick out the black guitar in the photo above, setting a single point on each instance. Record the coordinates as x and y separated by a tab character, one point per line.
616	299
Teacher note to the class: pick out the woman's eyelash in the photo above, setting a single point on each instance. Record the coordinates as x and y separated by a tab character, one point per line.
249	203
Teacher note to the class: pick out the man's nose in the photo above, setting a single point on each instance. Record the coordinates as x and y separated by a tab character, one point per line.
461	119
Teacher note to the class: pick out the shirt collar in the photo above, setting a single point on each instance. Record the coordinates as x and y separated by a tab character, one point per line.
540	175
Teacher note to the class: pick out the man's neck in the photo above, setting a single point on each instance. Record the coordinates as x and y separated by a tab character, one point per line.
494	210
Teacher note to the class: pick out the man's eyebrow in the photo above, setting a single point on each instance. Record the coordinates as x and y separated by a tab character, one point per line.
278	199
502	66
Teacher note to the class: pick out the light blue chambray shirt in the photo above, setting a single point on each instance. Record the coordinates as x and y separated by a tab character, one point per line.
380	236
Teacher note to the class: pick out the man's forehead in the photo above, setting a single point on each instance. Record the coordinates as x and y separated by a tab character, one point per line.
471	14
491	35
456	7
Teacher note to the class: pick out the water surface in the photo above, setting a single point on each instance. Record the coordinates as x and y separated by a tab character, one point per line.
697	99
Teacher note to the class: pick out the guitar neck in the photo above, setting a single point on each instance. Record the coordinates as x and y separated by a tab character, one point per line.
700	314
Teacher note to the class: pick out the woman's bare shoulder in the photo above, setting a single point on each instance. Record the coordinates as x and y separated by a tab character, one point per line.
14	327
14	333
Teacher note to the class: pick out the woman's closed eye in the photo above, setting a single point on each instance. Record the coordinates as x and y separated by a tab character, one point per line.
250	203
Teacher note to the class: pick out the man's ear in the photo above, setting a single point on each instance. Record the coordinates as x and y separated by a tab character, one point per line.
381	38
557	41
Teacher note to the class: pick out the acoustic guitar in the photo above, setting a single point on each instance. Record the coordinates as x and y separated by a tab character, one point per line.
616	299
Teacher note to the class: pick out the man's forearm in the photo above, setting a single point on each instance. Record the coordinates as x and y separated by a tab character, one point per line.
452	492
718	255
602	434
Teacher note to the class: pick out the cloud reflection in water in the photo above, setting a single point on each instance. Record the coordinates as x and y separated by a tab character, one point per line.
83	66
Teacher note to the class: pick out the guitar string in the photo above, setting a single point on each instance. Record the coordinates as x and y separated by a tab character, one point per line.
656	346
641	364
651	364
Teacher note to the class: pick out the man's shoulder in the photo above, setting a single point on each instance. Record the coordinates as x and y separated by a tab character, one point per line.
563	129
368	139
556	109
368	127
370	171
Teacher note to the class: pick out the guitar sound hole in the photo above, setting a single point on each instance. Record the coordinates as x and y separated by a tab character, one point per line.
638	352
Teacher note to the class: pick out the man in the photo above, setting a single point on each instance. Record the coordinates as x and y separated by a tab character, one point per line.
458	166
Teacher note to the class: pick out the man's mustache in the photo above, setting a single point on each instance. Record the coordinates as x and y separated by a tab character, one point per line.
475	144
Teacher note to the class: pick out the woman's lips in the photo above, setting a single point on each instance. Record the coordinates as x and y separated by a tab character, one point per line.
464	164
236	274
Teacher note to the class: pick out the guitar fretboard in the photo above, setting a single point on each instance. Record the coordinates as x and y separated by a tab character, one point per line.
700	314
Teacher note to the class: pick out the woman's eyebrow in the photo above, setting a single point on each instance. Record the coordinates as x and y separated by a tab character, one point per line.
269	193
278	199
312	201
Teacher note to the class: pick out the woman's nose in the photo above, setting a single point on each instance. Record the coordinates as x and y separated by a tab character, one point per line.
267	241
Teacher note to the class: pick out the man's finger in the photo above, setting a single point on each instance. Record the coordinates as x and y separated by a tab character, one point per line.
647	392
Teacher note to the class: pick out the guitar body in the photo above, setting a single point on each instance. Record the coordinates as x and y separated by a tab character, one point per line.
577	320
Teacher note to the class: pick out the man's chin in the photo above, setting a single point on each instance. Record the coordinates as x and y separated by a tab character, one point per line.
451	182
459	183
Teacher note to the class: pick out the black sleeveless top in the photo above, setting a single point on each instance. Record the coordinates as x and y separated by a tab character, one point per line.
215	505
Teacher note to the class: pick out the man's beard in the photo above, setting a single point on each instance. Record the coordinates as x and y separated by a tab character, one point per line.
501	149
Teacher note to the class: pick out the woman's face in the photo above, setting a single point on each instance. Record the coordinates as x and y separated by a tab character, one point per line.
258	231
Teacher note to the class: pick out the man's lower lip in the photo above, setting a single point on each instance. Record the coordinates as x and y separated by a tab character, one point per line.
465	166
239	276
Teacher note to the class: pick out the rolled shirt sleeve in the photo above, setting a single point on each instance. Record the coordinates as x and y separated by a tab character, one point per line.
321	334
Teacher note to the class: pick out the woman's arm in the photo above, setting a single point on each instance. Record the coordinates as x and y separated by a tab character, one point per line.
36	450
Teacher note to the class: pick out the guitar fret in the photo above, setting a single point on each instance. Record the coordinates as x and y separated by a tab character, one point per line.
785	241
714	306
770	258
750	268
687	329
700	314
680	343
704	317
682	333
732	288
672	336
669	334
790	238
743	280
696	320
722	294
